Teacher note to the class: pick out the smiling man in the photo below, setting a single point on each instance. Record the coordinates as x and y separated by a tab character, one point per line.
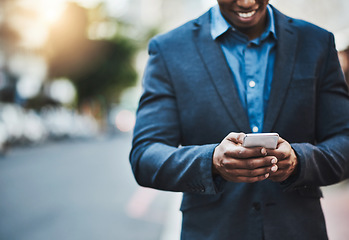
244	67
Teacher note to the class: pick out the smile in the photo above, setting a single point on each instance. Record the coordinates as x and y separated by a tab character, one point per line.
246	15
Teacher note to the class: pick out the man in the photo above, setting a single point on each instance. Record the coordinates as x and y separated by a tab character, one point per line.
244	67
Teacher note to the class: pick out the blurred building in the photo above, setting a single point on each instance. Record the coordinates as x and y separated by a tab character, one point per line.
331	15
164	13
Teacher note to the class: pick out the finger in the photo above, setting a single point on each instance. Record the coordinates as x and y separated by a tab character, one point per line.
282	151
240	152
280	175
285	164
236	137
251	163
280	140
278	172
254	172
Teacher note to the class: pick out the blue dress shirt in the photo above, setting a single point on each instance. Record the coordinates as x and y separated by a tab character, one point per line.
251	62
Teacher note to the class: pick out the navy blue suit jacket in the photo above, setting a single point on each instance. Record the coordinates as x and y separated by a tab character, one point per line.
190	103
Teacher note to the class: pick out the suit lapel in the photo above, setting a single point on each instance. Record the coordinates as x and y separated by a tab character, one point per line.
219	72
284	63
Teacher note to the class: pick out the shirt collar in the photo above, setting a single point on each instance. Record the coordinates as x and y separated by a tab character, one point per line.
219	25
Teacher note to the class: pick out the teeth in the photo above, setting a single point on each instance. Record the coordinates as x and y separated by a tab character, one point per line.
247	15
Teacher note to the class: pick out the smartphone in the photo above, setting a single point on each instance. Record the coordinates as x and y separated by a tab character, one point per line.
267	140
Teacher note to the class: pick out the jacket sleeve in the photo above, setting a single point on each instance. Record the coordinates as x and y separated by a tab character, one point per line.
157	159
327	161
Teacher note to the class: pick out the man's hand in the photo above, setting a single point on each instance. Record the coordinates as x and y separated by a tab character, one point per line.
239	164
287	161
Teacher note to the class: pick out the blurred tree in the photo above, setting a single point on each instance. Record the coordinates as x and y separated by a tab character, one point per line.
99	68
9	39
111	73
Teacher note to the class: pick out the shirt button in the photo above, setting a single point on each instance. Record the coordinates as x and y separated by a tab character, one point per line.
255	129
252	84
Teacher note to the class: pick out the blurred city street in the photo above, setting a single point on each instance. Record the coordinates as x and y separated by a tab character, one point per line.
77	189
71	70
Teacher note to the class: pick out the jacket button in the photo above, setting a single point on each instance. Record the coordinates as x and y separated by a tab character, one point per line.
256	206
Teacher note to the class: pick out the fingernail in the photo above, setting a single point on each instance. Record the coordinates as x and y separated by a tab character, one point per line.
266	175
274	160
274	168
263	151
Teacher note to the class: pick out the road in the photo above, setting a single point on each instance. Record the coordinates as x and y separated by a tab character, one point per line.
85	190
77	190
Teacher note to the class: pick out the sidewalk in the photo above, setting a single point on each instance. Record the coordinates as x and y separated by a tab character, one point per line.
173	223
336	209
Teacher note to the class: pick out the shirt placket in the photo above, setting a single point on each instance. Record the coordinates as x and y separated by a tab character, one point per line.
254	92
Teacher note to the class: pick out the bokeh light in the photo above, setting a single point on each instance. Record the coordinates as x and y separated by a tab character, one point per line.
62	90
125	120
